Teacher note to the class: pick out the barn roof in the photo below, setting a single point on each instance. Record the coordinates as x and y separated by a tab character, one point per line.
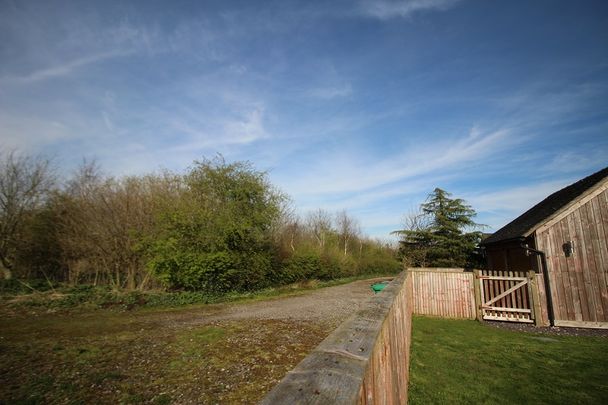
527	222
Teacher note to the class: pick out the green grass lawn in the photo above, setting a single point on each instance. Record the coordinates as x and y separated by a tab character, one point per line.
459	361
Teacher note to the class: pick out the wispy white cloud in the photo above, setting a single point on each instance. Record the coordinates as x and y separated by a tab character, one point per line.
344	172
63	69
351	180
577	161
53	42
386	9
515	199
107	121
247	128
400	191
331	92
30	133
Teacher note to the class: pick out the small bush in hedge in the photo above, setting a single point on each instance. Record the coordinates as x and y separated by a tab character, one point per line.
379	264
16	287
301	266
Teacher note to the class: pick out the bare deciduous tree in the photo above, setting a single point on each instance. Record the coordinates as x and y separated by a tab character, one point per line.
24	183
319	223
103	221
347	227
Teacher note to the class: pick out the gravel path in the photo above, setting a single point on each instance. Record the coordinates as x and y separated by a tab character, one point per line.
325	304
329	305
522	327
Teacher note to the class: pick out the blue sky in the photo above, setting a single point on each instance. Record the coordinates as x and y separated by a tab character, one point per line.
359	105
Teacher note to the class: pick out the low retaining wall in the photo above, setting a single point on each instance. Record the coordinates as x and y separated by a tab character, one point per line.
365	360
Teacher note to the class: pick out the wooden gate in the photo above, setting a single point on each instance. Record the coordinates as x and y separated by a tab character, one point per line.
506	295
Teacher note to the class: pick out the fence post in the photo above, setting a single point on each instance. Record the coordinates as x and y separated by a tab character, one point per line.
535	297
479	315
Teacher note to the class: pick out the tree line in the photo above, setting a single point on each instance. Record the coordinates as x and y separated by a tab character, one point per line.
219	227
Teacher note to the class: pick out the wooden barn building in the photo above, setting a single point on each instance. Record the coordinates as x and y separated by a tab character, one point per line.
566	237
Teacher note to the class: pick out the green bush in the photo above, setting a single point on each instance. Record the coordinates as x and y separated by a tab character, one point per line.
216	237
192	271
301	266
379	264
332	266
309	265
216	272
255	270
16	287
11	286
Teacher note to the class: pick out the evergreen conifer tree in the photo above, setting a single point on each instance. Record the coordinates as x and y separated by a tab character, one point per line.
445	236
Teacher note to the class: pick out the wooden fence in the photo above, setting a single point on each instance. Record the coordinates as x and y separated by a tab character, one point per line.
364	361
443	292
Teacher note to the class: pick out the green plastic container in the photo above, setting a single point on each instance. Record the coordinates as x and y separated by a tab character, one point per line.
377	287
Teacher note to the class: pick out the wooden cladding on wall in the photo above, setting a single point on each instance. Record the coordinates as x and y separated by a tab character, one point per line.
579	278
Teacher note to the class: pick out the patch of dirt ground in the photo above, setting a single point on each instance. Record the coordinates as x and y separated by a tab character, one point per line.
221	353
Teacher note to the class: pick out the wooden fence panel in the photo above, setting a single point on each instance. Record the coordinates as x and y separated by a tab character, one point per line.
447	293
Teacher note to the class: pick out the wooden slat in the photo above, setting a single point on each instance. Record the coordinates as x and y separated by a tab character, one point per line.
570	302
582	324
493	289
601	251
506	292
588	232
509	302
518	301
485	289
542	298
564	272
508	319
436	270
585	282
521	300
508	309
534	299
603	215
578	280
482	296
500	284
504	277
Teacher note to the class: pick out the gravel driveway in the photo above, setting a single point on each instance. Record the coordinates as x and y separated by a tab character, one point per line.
328	306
